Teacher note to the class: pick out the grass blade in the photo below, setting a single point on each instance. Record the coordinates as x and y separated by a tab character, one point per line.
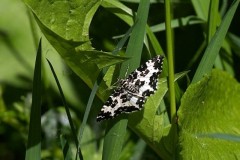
213	22
34	135
88	108
96	85
116	129
67	110
213	48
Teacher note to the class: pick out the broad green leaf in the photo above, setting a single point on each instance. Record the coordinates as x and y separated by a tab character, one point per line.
209	119
152	127
68	34
68	19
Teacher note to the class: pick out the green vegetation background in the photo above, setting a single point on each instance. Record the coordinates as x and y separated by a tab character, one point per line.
78	38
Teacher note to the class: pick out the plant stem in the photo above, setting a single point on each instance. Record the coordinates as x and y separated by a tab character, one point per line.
170	59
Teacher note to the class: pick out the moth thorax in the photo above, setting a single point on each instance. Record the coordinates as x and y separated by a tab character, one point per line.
131	88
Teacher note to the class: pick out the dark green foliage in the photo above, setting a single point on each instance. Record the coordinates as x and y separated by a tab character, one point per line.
90	44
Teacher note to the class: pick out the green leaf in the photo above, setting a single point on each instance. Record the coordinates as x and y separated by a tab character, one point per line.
34	135
68	34
152	127
209	119
68	19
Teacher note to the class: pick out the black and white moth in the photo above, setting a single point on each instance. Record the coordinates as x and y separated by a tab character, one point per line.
131	94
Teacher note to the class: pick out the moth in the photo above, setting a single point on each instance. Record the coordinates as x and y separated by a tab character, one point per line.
132	92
